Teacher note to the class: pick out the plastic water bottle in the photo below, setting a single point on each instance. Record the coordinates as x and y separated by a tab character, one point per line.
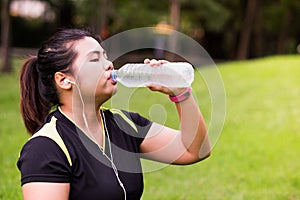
172	75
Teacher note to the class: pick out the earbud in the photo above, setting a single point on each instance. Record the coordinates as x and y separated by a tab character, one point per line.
66	81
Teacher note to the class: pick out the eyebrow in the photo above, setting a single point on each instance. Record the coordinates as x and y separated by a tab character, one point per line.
99	52
95	51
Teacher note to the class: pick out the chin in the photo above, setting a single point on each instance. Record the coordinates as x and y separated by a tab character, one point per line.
115	90
111	91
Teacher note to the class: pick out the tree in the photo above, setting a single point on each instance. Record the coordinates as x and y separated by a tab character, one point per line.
96	14
175	14
5	37
207	22
242	52
99	19
286	34
175	24
227	29
64	10
284	31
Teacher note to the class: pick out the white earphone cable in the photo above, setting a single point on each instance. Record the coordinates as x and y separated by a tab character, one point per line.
109	144
111	156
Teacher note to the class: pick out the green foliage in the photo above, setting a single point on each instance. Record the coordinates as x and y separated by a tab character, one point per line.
217	24
135	14
124	14
208	15
214	15
256	156
273	16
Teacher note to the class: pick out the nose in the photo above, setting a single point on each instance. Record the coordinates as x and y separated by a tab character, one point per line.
108	66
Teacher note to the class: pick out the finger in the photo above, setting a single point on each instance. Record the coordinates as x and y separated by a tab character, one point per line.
154	62
147	61
163	61
154	87
160	88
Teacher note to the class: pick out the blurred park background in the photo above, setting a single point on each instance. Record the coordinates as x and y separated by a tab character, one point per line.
227	29
255	45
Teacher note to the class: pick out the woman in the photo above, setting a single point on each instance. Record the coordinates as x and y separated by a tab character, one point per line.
80	151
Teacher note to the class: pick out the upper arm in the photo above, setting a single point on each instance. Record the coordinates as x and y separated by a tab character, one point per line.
46	191
42	160
164	144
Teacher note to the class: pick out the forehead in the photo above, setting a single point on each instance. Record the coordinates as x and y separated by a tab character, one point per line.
86	45
85	48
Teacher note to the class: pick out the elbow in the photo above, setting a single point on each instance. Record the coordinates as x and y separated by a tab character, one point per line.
200	157
203	153
205	150
189	159
204	156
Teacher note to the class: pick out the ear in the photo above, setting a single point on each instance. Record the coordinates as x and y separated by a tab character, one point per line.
59	78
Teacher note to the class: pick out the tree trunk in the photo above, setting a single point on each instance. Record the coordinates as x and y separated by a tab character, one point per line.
175	23
66	12
94	21
175	14
104	18
99	18
283	34
258	35
5	37
245	35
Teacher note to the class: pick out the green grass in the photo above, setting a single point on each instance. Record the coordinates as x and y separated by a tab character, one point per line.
12	136
255	157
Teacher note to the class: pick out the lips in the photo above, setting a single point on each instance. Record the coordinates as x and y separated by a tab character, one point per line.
110	78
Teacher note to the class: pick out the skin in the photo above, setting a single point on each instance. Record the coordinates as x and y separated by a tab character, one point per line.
91	69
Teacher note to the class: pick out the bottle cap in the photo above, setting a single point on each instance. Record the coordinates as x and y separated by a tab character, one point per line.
114	75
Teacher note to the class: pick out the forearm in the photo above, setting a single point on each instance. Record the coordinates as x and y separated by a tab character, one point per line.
186	146
193	129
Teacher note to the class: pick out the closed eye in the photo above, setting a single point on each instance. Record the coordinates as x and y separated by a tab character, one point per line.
95	60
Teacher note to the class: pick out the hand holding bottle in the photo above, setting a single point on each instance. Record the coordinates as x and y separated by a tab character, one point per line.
160	88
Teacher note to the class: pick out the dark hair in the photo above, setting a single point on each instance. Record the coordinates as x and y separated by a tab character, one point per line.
38	91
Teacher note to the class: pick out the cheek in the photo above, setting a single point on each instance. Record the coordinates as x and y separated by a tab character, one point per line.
90	75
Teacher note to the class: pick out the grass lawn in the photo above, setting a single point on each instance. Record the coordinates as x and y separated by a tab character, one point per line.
255	157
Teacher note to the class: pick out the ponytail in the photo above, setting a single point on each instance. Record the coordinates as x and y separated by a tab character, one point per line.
33	107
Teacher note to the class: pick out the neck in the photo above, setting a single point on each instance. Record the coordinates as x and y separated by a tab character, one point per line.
87	117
